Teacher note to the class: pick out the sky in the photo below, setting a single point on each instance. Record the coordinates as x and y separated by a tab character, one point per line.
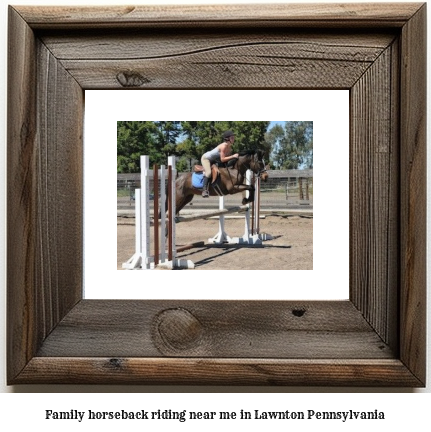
273	123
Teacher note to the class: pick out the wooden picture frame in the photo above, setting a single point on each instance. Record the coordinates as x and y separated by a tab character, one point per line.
376	338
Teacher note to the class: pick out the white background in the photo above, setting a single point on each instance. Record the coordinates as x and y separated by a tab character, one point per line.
329	111
20	409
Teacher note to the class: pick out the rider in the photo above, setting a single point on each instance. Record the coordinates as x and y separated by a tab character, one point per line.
222	153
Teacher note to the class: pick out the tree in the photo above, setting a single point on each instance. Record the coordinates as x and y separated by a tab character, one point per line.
250	135
292	148
186	150
134	138
273	139
188	140
167	133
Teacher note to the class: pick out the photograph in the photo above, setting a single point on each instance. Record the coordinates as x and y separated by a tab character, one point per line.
242	191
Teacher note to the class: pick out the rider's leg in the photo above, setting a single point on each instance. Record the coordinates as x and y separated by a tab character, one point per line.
205	191
207	173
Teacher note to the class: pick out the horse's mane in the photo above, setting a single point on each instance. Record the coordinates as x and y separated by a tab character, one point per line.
248	152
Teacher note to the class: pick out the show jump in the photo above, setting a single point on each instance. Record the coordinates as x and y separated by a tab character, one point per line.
179	191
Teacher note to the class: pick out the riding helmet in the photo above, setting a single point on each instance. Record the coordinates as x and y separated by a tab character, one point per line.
228	134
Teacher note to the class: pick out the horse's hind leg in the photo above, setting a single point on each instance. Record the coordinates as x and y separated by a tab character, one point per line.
182	201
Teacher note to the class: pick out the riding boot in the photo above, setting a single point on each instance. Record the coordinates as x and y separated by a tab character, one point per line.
205	192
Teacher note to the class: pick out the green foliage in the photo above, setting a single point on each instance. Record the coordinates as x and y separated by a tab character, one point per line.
189	140
292	147
250	135
133	140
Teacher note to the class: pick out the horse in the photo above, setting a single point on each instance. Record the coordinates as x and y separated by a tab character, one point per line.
230	180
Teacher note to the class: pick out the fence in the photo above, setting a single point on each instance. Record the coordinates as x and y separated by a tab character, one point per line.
288	189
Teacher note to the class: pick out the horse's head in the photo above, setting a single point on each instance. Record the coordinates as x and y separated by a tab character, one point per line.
253	160
264	175
258	165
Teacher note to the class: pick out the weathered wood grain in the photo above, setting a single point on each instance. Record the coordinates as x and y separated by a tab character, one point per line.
44	195
218	371
374	194
267	15
413	248
21	197
375	338
59	183
228	60
241	329
140	45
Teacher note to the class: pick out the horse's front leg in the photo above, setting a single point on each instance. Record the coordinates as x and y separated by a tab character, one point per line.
250	198
245	188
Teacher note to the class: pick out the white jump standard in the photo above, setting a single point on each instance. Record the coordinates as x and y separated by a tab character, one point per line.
142	258
251	236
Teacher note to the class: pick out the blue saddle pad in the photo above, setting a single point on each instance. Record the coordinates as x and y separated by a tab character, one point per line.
198	180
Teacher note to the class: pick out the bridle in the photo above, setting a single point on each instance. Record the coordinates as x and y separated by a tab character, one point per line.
261	170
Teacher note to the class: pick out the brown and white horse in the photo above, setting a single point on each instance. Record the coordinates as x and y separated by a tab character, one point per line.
229	181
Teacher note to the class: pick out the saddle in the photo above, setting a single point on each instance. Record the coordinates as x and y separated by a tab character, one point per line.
214	171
